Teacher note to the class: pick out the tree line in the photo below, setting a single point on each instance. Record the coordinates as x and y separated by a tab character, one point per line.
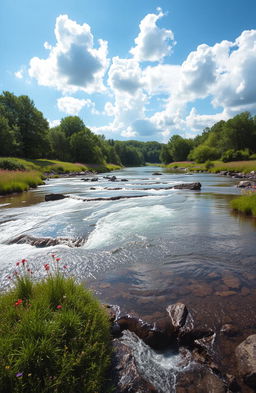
231	140
24	132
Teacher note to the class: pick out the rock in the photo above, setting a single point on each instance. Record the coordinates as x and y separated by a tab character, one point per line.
210	383
126	375
245	183
188	186
229	330
200	381
112	178
200	289
54	197
246	360
46	241
232	383
95	179
85	179
231	281
157	173
124	179
191	338
178	313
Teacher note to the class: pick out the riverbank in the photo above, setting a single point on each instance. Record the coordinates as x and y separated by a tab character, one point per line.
213	166
18	175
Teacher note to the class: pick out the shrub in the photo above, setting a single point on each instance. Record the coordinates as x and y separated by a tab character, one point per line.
252	156
54	336
11	164
235	155
208	165
203	153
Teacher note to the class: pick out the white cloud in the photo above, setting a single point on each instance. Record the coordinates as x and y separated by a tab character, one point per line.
73	63
19	74
72	106
152	43
54	123
125	75
163	78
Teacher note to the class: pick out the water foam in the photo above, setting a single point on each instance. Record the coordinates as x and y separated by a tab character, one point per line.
126	224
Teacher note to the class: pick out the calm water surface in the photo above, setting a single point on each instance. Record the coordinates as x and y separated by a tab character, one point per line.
144	253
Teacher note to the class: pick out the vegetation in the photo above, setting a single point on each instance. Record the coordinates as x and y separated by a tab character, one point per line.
245	204
231	140
54	335
18	181
214	166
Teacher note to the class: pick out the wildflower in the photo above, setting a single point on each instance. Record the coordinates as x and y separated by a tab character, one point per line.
23	261
47	266
29	374
7	367
59	307
19	375
53	255
65	267
19	301
57	259
17	263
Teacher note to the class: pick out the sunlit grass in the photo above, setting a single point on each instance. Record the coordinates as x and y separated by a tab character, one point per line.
245	204
54	337
18	181
236	166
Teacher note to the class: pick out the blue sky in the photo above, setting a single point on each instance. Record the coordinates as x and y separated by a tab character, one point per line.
140	69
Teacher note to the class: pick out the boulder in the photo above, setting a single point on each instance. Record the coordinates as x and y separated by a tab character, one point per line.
188	186
245	183
54	197
41	242
246	360
125	373
178	313
94	179
157	173
112	178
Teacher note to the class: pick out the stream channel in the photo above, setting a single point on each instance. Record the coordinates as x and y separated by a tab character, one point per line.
145	253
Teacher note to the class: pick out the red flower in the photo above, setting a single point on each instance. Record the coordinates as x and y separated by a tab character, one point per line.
19	301
17	263
65	267
46	266
59	307
23	261
53	255
57	259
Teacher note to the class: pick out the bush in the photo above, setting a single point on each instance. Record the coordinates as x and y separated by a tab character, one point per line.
235	155
252	156
54	336
11	164
208	165
204	153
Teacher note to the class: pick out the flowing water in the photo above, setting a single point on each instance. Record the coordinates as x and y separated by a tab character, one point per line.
144	253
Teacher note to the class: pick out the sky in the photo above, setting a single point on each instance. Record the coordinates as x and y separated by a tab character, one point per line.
137	69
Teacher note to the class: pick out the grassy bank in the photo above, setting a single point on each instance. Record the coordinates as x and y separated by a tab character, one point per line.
54	336
215	166
245	204
17	175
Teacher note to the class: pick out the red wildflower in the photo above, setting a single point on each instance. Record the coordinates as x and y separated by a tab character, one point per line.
23	261
59	307
53	255
47	266
57	259
65	267
19	301
17	263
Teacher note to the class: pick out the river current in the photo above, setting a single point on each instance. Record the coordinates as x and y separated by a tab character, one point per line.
144	253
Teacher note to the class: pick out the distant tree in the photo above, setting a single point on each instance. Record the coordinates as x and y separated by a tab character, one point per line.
179	148
165	155
71	124
84	147
204	153
60	147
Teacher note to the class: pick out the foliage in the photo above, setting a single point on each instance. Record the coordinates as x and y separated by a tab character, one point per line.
179	148
245	204
165	155
11	164
54	335
232	155
204	153
208	165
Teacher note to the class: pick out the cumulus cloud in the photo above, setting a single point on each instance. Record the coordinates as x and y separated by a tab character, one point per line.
72	106
73	63
152	43
19	74
125	75
54	123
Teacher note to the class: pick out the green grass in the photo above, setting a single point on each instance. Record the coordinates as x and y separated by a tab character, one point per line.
245	204
18	181
18	175
54	337
236	166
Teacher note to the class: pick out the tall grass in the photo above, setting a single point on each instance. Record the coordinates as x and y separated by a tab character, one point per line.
236	166
18	181
245	204
54	337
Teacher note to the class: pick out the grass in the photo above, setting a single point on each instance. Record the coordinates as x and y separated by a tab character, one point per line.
18	181
18	175
236	166
245	204
54	336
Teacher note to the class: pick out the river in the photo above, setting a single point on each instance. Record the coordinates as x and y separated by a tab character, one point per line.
144	253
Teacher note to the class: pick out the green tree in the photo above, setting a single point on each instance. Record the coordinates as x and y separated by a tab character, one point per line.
179	148
71	124
165	155
60	147
204	153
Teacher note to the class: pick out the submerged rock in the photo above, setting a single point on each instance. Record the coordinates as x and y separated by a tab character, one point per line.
188	186
178	313
54	197
46	241
246	360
